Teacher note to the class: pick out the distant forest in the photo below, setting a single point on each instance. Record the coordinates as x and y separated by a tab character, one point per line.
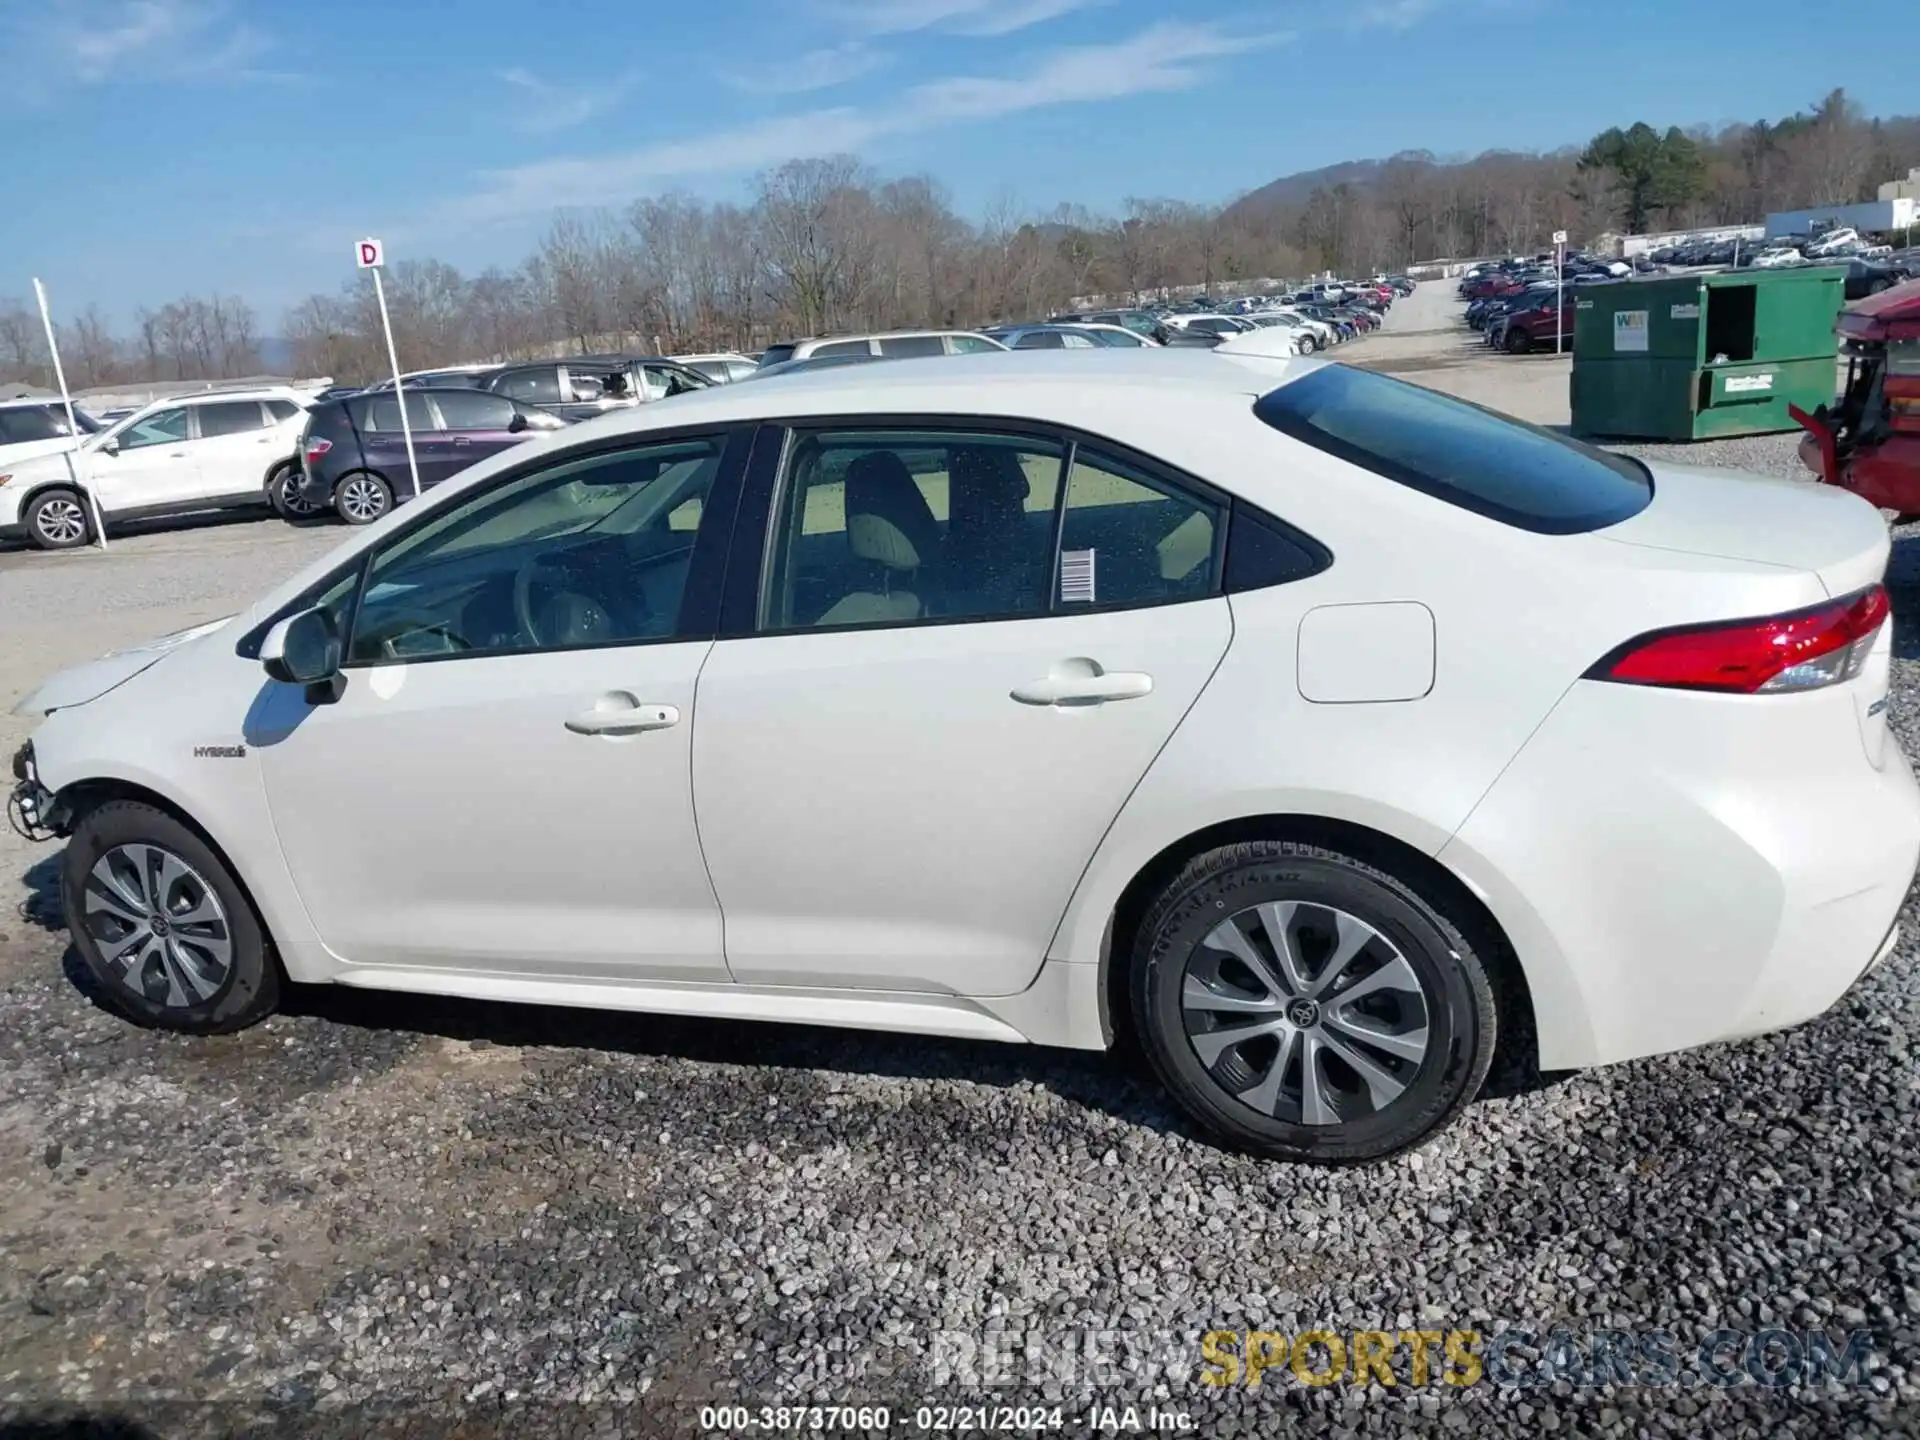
827	244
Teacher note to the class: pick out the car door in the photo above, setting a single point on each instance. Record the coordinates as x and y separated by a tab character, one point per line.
503	784
475	425
914	732
149	467
383	441
235	443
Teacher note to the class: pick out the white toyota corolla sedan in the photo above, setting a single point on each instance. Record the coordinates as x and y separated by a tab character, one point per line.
1310	726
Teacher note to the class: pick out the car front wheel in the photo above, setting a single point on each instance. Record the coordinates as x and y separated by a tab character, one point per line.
1305	1005
163	925
57	520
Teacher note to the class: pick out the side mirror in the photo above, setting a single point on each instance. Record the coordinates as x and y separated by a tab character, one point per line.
111	445
517	424
305	649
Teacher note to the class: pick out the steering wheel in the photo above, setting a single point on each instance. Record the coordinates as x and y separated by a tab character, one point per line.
567	618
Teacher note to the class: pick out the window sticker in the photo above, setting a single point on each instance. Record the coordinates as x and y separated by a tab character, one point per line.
1077	577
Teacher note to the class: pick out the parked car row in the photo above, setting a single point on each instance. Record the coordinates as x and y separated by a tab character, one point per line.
359	452
212	450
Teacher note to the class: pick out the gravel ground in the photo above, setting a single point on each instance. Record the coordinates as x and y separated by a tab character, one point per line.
383	1214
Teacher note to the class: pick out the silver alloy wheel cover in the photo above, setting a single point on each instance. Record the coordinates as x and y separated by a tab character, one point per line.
1265	1013
61	521
361	499
160	928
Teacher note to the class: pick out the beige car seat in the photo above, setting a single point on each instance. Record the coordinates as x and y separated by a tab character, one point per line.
890	524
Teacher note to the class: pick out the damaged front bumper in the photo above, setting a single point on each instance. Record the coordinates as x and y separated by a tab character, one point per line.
32	809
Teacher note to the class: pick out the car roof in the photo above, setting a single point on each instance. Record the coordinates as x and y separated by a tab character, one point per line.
1042	385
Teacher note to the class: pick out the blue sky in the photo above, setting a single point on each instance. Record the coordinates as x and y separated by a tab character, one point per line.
161	147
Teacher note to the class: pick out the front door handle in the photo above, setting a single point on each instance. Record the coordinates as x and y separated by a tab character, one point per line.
624	718
1085	689
463	440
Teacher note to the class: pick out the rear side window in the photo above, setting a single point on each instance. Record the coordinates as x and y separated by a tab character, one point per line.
844	347
1515	473
230	417
902	347
29	423
776	355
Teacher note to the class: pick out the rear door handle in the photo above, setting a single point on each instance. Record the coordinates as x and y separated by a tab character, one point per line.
624	719
1085	689
463	439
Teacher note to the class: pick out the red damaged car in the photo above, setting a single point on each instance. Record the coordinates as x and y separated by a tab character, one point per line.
1869	440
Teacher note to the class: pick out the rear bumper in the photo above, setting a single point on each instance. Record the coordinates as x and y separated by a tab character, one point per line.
1676	868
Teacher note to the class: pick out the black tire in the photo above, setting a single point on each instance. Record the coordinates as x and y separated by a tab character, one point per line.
1518	342
1456	1001
283	495
346	498
179	967
51	516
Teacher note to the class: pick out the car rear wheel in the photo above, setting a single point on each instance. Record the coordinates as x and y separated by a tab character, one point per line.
57	520
1302	1004
363	498
163	925
283	493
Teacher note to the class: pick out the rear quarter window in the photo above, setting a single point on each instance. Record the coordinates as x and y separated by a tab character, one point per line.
1507	470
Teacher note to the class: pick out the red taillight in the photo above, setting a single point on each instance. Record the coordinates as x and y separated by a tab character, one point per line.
317	446
1803	650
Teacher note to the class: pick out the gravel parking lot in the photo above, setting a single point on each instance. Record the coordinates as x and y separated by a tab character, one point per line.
381	1212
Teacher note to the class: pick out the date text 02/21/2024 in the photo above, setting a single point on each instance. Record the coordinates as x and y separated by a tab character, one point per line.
945	1419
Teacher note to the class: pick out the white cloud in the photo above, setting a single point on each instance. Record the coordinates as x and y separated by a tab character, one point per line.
98	41
816	70
966	17
1165	57
1391	14
549	107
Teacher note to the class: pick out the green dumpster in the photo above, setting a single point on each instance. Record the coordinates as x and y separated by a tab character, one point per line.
1694	357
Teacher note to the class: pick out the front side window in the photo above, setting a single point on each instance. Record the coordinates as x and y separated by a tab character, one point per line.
163	427
972	345
536	387
592	551
282	410
1505	469
230	417
666	380
842	347
474	410
888	527
907	347
1040	340
380	414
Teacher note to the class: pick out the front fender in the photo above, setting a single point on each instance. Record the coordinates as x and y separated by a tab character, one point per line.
171	733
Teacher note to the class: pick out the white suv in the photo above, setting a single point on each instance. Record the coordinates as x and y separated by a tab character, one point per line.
39	427
209	451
